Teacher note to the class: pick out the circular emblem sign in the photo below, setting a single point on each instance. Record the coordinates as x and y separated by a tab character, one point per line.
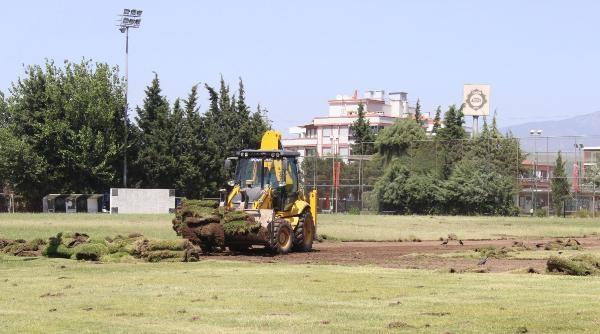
476	99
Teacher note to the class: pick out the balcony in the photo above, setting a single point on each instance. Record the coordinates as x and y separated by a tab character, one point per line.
299	142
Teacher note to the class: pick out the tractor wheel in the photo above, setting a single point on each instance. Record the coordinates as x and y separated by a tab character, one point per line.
304	233
283	235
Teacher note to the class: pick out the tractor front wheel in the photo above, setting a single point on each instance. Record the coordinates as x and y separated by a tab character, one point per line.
304	233
282	237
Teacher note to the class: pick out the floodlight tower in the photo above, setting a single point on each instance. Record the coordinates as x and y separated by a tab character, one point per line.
131	18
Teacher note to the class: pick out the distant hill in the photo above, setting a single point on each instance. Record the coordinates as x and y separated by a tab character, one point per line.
582	125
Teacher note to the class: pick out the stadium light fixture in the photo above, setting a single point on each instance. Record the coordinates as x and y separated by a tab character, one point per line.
131	18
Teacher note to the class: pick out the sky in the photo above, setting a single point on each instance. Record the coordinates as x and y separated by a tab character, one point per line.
541	58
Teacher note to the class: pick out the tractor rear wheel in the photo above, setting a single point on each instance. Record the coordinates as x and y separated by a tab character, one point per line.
304	233
282	235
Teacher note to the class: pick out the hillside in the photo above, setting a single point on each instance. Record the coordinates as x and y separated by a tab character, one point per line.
583	129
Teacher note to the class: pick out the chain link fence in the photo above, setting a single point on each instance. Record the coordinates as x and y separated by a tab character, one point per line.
345	182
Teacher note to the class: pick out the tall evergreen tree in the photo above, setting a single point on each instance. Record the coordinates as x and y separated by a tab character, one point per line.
229	127
154	162
418	114
437	120
559	185
362	133
3	111
251	126
451	140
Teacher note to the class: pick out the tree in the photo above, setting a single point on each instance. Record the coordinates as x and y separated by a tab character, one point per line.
252	125
362	133
153	165
560	185
69	120
395	141
21	168
3	112
424	194
437	120
451	140
593	175
229	126
453	119
192	179
389	190
477	186
418	115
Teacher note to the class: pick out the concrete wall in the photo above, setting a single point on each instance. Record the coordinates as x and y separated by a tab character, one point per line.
128	200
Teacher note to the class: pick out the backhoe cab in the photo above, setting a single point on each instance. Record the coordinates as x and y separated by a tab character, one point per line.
266	184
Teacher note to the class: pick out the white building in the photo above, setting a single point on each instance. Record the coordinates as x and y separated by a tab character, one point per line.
331	134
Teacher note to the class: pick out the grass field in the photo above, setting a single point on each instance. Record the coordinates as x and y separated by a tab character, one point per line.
41	295
372	227
342	227
51	295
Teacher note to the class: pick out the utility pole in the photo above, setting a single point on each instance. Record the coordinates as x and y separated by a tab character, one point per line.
333	139
548	179
579	163
535	134
131	18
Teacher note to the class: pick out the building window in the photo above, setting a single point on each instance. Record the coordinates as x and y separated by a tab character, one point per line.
326	151
344	151
376	128
311	152
343	132
327	131
311	133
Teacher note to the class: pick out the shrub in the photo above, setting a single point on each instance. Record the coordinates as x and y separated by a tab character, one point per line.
354	211
540	212
583	213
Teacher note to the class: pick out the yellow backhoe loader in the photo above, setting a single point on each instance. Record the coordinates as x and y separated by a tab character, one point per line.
266	185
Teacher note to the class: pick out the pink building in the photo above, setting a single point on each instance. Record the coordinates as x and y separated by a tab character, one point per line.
331	134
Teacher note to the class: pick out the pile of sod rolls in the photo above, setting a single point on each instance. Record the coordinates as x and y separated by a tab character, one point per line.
204	223
79	246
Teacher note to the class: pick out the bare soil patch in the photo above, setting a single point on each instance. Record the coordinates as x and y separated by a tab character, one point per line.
411	255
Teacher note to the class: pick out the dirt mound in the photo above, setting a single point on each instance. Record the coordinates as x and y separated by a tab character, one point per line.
580	265
207	225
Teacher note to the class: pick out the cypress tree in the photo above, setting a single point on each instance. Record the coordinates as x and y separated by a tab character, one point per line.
363	134
418	114
560	185
450	139
437	120
154	160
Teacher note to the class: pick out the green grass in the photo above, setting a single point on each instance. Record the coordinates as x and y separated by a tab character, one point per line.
342	227
232	297
41	225
372	227
44	295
